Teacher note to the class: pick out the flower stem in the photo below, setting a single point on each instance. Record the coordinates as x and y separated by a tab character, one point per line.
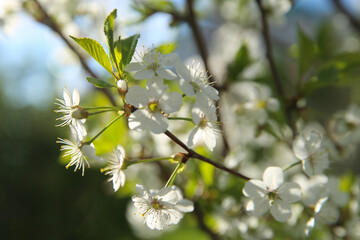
131	162
291	165
180	118
109	110
106	127
98	108
173	175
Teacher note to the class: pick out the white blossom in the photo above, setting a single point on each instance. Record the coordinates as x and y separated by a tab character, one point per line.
193	82
271	194
151	103
308	148
74	115
161	208
79	153
204	116
256	101
115	168
153	63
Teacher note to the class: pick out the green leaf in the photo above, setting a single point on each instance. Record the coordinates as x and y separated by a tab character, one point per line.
241	61
326	76
307	51
100	83
167	48
126	48
325	41
95	50
109	33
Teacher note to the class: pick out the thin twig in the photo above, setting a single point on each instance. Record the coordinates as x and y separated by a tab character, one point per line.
48	21
354	22
193	154
271	61
200	217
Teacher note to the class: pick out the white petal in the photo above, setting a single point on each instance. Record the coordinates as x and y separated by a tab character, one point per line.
210	138
158	123
142	190
171	102
118	180
155	90
185	205
135	66
307	167
137	97
89	151
168	195
299	148
290	192
183	71
257	206
196	113
120	151
154	80
67	98
187	88
137	120
281	210
75	97
169	59
273	178
314	141
144	74
153	220
210	92
194	136
172	216
255	189
166	73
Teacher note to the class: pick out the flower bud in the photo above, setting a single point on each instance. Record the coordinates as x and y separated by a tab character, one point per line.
122	87
178	158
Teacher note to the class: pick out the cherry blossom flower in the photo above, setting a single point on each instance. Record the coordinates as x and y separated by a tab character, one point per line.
256	101
73	114
115	168
151	103
308	148
204	116
195	82
271	194
78	152
153	63
161	208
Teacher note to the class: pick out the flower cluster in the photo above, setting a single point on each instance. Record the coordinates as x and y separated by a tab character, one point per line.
166	105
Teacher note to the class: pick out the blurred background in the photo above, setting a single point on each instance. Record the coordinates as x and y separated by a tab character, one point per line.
39	198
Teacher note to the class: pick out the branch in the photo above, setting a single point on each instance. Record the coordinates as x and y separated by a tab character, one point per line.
354	22
193	154
271	61
48	21
200	217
